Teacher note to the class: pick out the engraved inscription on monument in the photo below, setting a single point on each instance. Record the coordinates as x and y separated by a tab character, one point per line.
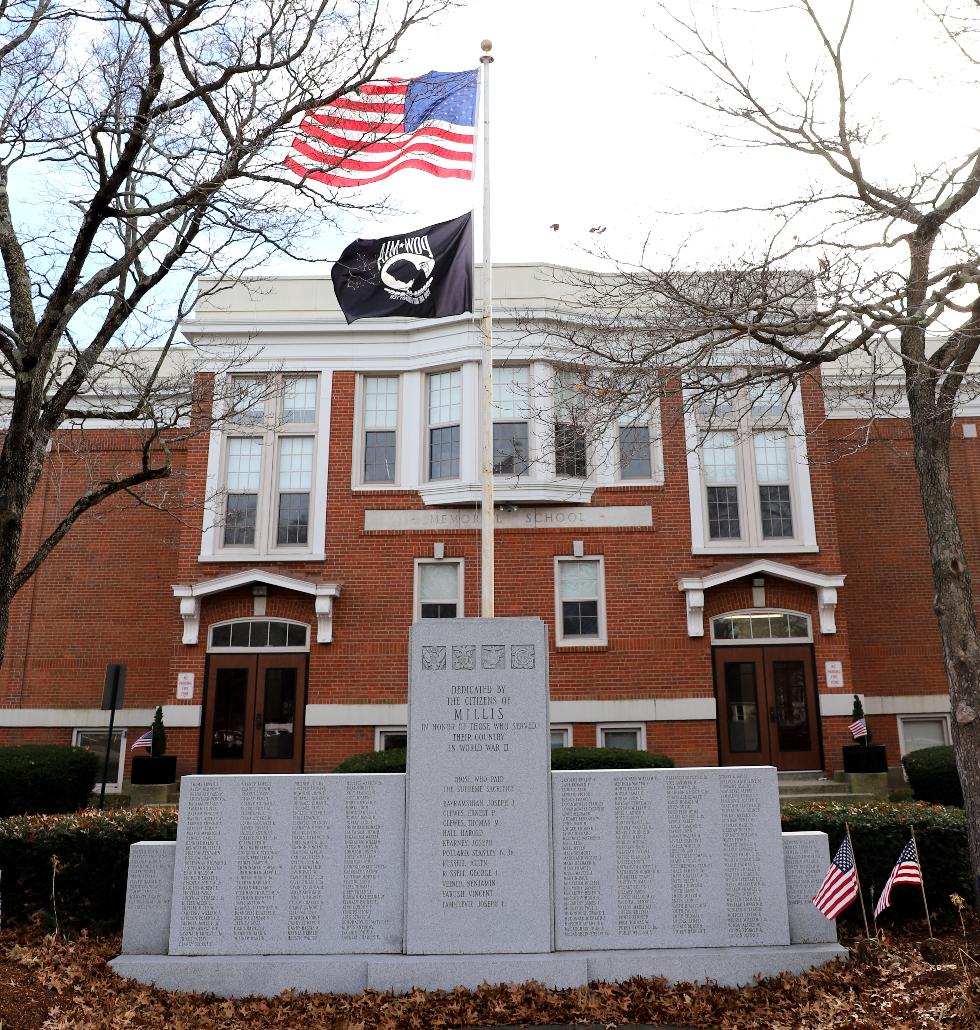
654	858
283	865
479	833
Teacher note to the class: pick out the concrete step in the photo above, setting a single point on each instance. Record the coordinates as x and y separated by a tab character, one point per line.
844	798
813	787
800	774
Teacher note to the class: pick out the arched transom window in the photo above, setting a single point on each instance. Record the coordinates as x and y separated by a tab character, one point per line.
259	635
760	627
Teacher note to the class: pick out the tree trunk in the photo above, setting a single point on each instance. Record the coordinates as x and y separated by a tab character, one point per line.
955	613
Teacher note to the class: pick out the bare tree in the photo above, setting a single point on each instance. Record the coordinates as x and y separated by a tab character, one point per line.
879	278
141	145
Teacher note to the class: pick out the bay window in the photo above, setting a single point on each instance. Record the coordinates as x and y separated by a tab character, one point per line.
571	453
510	421
444	407
635	447
295	482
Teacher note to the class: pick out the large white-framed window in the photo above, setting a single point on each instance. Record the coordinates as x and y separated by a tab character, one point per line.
94	740
749	482
511	420
444	405
266	479
561	735
378	454
438	588
571	442
919	731
629	735
388	738
638	452
580	601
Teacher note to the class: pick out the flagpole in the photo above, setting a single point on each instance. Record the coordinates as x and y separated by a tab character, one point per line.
922	880
857	876
486	328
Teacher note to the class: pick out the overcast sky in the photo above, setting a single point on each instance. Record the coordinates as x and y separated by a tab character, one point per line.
585	132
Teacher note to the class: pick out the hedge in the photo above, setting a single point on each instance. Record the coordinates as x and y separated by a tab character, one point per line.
932	775
38	778
92	849
393	761
879	831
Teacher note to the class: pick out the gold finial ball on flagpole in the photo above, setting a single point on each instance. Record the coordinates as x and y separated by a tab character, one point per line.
486	46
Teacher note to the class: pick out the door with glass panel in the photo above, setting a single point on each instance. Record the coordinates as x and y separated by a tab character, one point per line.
253	719
767	706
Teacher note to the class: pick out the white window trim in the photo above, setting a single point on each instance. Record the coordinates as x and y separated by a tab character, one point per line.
903	719
603	638
805	540
212	548
601	727
417	592
566	728
380	731
112	786
808	639
233	649
357	480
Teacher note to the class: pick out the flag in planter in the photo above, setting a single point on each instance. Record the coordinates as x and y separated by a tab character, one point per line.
859	729
907	870
840	885
145	741
427	123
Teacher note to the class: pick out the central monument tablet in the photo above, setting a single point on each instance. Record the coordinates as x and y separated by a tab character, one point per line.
478	856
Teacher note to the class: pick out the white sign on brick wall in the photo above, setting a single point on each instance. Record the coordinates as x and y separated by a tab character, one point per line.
835	675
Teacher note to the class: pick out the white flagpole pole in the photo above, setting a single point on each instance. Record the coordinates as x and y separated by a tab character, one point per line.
486	327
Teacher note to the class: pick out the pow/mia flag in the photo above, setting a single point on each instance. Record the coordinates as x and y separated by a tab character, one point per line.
427	273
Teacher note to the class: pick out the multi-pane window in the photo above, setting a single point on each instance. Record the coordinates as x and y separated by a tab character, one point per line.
634	449
268	467
243	474
295	483
719	457
571	453
380	428
510	421
438	590
580	614
445	407
772	476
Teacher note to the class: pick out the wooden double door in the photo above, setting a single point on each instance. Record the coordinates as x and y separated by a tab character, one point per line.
253	713
767	706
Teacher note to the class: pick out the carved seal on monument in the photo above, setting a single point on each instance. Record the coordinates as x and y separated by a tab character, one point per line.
522	656
433	658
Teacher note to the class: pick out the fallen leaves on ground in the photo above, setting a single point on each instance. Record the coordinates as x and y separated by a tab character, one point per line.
50	983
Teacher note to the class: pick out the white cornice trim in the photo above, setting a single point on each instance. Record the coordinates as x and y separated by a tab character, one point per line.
504	492
826	586
174	717
190	595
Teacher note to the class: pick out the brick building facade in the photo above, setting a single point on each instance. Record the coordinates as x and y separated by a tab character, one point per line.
718	603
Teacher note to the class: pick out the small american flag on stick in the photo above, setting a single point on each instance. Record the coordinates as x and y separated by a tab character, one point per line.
840	885
858	728
145	741
907	870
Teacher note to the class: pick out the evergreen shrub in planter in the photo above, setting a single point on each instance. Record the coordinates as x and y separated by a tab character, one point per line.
864	757
157	766
45	778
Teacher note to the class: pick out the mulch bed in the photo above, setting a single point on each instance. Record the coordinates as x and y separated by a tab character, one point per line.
51	983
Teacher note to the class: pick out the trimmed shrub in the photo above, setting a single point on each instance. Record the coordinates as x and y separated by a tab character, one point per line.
879	831
607	758
37	778
392	761
561	758
92	851
932	775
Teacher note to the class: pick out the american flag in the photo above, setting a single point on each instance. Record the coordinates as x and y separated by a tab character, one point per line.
858	728
906	871
428	123
145	741
840	885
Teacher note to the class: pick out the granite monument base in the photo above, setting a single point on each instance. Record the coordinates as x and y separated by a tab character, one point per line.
240	976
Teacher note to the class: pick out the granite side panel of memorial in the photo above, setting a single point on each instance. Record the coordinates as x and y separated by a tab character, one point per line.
668	858
289	865
479	815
